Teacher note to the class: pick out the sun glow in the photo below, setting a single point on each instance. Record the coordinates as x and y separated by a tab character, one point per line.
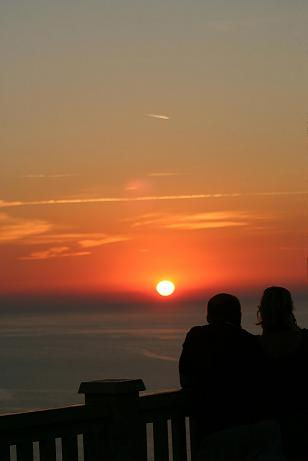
165	287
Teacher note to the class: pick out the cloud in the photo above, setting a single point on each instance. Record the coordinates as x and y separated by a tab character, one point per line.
83	239
106	240
49	176
38	232
163	174
195	221
14	229
77	244
54	252
158	116
211	220
205	225
57	238
154	355
146	198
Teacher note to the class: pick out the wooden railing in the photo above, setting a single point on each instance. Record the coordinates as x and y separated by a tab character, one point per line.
115	424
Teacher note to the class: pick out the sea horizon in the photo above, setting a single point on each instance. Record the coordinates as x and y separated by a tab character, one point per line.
50	344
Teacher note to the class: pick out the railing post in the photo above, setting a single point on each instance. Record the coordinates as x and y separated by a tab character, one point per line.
123	436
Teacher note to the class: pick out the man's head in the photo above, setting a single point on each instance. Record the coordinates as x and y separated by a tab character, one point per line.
224	308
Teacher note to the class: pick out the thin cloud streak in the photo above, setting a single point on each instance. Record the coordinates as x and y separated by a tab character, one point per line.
154	355
150	198
91	243
67	251
50	176
204	225
163	174
196	221
90	239
158	116
54	252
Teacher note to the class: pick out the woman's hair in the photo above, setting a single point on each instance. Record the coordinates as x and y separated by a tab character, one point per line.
276	309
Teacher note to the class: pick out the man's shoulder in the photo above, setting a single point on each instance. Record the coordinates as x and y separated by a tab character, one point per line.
210	333
213	329
198	330
196	333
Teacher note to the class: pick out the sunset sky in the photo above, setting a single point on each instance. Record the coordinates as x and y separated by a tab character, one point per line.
152	139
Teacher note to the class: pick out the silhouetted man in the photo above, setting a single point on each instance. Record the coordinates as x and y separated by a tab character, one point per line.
219	365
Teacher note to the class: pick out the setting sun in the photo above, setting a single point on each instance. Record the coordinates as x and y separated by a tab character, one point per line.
165	287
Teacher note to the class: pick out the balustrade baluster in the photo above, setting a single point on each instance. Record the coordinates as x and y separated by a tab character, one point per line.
179	439
193	443
5	452
69	448
93	444
24	451
48	450
160	435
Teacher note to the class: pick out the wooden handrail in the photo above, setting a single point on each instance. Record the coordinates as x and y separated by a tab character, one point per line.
165	405
13	421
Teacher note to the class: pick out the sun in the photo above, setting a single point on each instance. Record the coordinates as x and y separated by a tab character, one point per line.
165	287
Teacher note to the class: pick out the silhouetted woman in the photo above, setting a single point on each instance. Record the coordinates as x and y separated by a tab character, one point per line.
285	358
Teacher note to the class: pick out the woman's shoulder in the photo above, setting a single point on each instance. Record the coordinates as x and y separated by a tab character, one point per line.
284	345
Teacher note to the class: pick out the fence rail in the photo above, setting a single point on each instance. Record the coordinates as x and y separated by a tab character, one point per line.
115	424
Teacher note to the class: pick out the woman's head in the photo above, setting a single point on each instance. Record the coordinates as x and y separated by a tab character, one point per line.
276	309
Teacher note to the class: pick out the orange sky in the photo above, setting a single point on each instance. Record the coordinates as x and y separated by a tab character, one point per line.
149	141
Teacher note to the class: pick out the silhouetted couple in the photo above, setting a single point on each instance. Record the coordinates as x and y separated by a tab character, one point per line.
248	394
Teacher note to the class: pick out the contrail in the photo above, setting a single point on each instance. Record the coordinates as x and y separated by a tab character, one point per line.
159	116
149	198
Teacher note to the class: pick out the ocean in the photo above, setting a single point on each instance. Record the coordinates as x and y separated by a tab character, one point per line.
48	346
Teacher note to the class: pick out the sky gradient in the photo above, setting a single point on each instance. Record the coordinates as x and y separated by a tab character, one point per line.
143	140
